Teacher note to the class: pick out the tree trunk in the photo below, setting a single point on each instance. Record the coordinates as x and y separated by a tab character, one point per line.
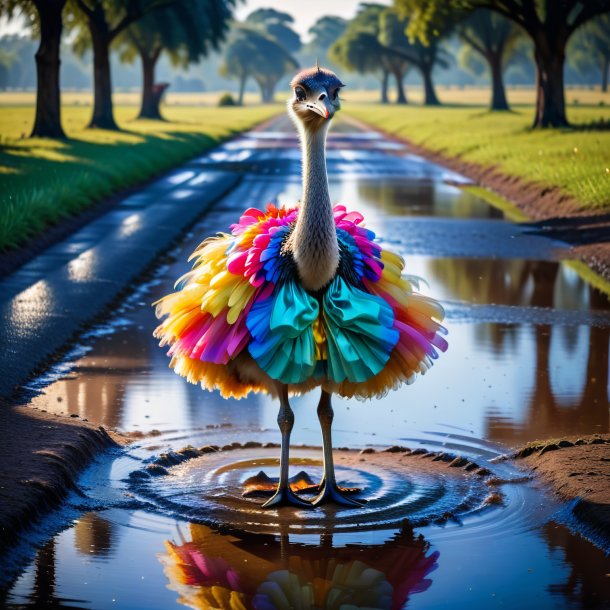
242	88
430	98
268	92
401	98
47	123
549	55
151	93
605	69
498	93
103	117
384	87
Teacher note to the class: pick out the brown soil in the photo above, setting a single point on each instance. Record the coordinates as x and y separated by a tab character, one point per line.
40	456
576	468
588	231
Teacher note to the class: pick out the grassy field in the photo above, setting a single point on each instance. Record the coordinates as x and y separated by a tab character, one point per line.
448	95
43	181
577	160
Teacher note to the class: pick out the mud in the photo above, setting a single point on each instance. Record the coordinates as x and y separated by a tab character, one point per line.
578	470
41	456
222	488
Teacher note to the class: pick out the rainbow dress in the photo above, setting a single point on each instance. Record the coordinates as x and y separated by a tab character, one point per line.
240	320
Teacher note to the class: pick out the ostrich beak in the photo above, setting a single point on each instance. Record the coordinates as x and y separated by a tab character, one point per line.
321	106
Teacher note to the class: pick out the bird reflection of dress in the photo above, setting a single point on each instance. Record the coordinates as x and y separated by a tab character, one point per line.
218	571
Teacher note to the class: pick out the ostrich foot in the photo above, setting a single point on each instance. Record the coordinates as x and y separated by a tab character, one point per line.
284	496
332	494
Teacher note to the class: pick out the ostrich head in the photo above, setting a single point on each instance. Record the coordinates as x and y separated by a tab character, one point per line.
316	97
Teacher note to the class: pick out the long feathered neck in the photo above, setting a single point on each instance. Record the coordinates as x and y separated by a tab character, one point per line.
314	244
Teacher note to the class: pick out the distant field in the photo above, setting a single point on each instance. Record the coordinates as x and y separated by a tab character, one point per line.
576	160
447	95
43	181
85	98
481	96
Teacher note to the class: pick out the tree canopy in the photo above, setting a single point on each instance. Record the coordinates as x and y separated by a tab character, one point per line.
495	38
186	29
251	53
549	23
591	48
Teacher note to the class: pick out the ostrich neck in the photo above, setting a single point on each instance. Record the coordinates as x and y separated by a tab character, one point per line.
315	247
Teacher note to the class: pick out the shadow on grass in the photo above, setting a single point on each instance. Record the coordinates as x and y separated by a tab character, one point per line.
600	125
41	191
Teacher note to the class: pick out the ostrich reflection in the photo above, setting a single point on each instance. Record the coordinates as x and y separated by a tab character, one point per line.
264	573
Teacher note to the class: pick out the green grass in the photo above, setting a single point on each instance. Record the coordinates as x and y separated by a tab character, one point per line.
43	181
576	160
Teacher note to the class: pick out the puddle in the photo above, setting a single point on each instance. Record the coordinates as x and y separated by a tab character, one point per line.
528	359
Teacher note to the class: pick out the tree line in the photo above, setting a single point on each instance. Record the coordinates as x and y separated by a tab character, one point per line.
186	29
548	24
389	42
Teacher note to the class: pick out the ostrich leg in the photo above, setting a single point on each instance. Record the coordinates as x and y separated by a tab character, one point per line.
329	491
284	496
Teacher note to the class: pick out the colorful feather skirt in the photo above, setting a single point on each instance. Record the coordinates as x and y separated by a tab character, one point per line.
240	320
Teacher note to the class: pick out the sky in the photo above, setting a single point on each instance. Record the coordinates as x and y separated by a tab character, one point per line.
305	12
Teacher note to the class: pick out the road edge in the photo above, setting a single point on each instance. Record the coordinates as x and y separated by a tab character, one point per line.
534	202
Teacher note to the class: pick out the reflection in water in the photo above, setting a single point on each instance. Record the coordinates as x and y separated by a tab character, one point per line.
540	284
260	572
83	267
417	197
43	592
94	535
587	412
588	583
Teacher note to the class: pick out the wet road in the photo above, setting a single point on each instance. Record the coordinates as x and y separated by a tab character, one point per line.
528	359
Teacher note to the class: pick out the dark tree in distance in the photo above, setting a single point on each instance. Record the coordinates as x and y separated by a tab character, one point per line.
494	38
325	31
392	36
105	20
359	48
250	53
187	30
591	47
46	16
549	23
361	51
277	25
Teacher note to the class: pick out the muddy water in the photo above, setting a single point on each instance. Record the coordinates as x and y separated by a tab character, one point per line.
528	359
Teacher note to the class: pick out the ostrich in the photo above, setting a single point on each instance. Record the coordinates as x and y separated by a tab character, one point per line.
298	298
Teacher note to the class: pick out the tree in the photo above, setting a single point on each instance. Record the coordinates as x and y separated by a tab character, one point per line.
375	42
494	38
252	54
46	16
423	56
549	23
392	36
105	20
360	50
591	48
275	25
187	30
278	26
325	31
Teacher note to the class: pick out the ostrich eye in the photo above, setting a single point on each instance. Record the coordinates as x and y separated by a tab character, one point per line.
299	92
